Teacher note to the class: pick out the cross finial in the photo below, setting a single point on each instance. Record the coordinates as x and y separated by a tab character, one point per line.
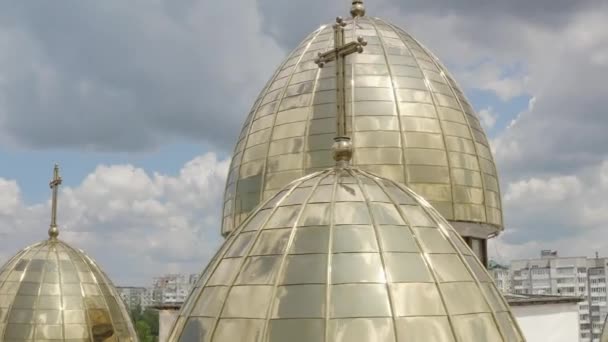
55	182
358	9
343	146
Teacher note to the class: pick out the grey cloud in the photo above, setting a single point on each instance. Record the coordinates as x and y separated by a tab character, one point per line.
113	75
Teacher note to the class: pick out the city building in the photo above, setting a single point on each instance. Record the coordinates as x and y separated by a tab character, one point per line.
172	289
567	276
501	275
137	297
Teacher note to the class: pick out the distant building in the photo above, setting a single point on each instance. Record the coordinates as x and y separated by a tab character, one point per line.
501	275
136	296
566	276
172	289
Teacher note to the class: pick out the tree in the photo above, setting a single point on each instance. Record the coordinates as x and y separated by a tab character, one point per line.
143	332
150	316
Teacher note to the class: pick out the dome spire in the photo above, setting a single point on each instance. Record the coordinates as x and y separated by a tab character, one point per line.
342	149
54	184
358	9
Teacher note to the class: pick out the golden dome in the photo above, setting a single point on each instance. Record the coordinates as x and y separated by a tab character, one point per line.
408	119
343	255
52	292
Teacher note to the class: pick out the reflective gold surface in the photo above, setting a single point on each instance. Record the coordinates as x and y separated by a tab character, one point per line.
408	119
52	292
342	256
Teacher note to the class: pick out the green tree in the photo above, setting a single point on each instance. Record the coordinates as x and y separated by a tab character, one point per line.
150	316
143	332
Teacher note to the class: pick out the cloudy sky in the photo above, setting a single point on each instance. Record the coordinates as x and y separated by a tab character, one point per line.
141	102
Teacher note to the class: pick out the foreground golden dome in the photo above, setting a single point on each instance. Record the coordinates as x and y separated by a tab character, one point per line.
408	118
343	255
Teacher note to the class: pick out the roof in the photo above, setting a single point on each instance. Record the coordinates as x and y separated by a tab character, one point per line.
344	255
408	118
51	291
529	299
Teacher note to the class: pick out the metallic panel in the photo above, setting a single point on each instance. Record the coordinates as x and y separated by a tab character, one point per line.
343	255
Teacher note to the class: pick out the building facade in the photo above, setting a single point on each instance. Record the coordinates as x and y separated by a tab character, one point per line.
564	276
501	275
137	297
172	289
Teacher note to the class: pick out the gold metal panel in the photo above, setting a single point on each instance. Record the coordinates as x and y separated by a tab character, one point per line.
230	330
247	302
377	139
434	192
415	124
463	161
463	298
428	174
415	272
424	329
299	301
349	239
361	330
422	110
376	303
468	211
424	140
357	268
376	123
296	330
476	327
418	156
277	180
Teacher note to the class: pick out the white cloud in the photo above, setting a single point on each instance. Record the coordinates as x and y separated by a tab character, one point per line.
488	117
136	225
565	212
10	197
496	78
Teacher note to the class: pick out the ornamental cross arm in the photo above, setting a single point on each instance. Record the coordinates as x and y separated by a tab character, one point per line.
348	49
340	50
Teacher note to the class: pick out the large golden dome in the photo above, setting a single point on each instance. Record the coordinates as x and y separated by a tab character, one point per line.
345	256
407	117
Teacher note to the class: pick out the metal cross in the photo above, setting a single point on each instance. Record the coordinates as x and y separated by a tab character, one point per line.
339	53
53	231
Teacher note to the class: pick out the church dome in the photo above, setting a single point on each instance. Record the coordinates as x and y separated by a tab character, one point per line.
408	118
52	292
343	255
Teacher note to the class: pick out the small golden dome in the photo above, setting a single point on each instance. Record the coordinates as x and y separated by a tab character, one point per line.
51	292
